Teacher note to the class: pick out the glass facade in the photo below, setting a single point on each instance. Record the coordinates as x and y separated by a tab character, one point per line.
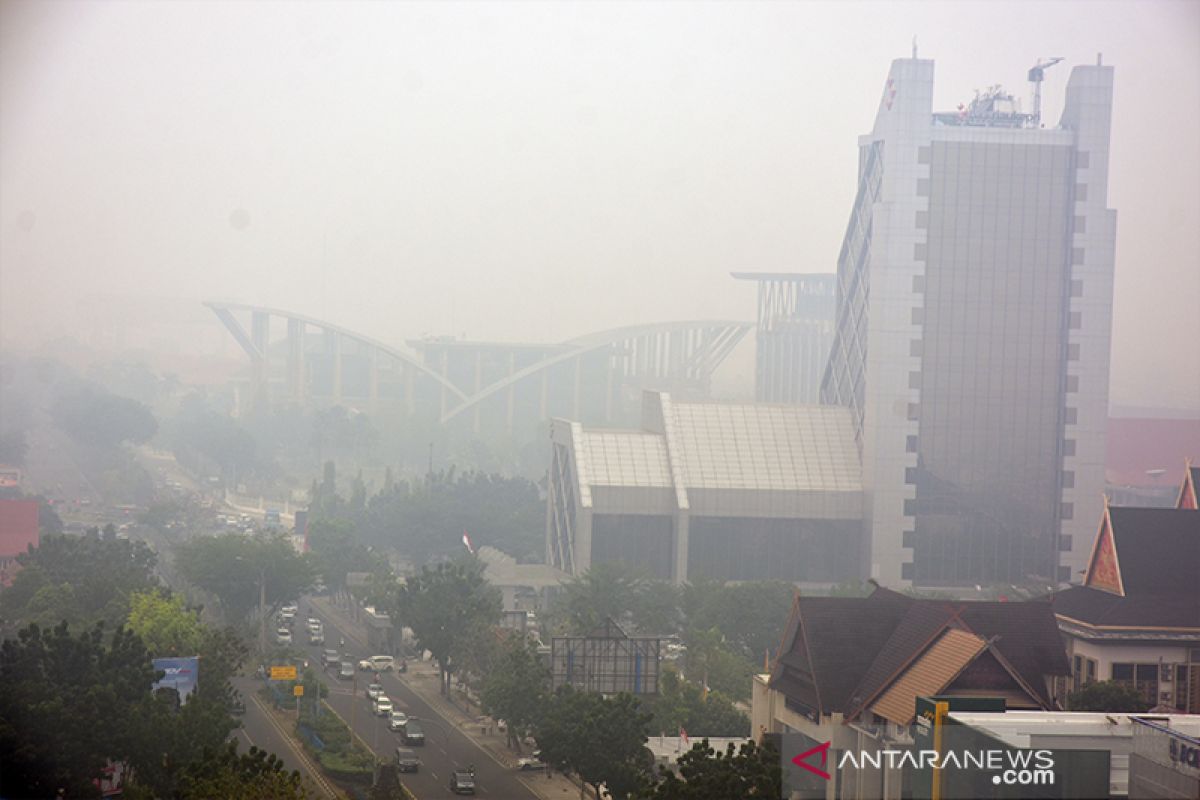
743	548
993	362
640	540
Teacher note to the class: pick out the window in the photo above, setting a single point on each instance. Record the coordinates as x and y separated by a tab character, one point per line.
1081	224
907	539
1068	479
1075	320
1141	677
1071	416
918	284
920	249
918	315
1072	352
906	571
1064	543
1076	255
1072	383
1069	447
1080	192
910	507
923	187
910	476
910	444
1067	511
914	347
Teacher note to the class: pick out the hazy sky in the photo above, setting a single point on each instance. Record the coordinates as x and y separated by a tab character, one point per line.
535	171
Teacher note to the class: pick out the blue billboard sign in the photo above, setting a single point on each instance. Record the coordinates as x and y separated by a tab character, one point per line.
181	674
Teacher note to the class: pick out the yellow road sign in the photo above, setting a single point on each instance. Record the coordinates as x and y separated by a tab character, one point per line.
298	690
283	673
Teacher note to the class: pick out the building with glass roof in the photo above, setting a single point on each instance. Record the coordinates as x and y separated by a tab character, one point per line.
730	491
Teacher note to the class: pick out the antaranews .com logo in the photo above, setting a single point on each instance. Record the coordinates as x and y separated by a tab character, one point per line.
807	767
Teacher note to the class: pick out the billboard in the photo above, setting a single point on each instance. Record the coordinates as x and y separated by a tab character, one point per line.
181	674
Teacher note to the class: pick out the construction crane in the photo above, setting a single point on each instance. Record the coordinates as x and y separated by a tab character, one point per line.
1036	74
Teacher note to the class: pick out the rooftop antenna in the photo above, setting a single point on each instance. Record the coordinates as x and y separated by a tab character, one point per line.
1036	73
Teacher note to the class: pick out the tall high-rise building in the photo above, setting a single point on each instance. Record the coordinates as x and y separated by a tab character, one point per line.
972	337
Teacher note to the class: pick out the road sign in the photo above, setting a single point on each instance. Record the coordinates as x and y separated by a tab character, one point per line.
298	690
283	673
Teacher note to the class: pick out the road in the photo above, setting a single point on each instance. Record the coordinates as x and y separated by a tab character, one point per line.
265	732
446	746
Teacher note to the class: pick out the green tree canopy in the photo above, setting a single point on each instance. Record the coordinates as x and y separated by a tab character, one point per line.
164	623
682	704
230	566
252	775
707	774
516	689
58	691
95	417
1108	696
602	740
449	607
82	579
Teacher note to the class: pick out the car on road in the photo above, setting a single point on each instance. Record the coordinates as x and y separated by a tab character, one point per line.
316	637
462	781
374	690
413	733
397	720
377	664
329	657
289	608
406	760
283	636
531	762
382	706
346	670
314	624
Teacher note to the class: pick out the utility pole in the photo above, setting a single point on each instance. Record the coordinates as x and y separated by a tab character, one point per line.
262	610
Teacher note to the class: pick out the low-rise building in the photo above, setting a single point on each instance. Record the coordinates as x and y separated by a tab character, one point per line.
850	670
1136	617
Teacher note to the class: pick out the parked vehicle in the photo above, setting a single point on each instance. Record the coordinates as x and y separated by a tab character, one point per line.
462	781
377	664
406	760
531	762
413	733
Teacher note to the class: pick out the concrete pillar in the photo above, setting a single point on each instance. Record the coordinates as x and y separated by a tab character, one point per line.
260	337
335	340
478	386
295	365
680	573
373	380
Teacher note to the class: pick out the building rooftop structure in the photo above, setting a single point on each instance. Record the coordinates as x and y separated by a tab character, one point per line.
734	491
847	656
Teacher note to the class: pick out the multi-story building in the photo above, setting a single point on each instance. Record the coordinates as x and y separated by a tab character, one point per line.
795	330
972	334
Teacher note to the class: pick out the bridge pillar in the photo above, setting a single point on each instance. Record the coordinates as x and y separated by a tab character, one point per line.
260	337
295	366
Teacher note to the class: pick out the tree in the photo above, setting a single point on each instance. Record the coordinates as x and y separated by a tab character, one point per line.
682	704
81	579
707	774
94	417
336	551
751	615
1109	696
13	448
600	739
164	624
449	608
231	566
249	776
56	692
711	661
606	591
517	689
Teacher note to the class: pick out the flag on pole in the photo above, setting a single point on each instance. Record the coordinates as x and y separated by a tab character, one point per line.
467	543
683	737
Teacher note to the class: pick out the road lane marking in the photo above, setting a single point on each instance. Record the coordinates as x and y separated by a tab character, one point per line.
314	771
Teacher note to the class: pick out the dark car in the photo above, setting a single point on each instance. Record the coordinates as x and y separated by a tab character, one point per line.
462	781
406	760
413	733
330	657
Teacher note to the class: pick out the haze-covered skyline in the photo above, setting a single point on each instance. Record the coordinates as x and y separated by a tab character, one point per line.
535	171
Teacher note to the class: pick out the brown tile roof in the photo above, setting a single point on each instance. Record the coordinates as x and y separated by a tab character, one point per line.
1158	550
1100	608
841	653
929	674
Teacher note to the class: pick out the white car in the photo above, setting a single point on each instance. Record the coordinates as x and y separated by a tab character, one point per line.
383	706
374	690
314	624
283	636
377	664
397	720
